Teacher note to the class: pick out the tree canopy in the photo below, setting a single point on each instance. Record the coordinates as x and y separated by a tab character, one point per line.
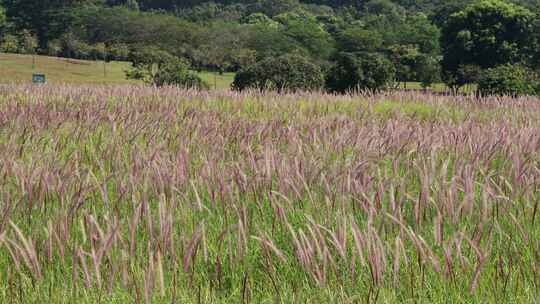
418	40
486	33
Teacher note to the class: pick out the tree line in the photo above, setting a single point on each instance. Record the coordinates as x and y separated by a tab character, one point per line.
270	44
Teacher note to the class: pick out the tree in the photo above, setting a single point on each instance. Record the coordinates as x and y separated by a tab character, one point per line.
442	12
355	38
222	44
486	34
406	60
40	16
271	42
428	70
508	80
284	73
309	33
3	18
418	30
73	47
360	71
275	7
463	75
159	68
260	19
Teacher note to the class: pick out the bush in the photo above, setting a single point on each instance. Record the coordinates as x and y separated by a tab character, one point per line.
160	68
284	73
119	52
54	48
175	71
73	47
10	44
360	71
99	51
508	80
28	42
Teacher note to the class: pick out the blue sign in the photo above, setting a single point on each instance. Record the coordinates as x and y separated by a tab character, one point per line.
39	78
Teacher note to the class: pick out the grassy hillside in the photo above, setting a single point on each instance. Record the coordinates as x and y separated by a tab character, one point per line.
19	68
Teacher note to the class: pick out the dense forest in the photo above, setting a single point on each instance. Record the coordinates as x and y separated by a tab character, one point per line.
369	40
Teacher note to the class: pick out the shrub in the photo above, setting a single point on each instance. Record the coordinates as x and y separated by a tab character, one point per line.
119	51
160	68
360	71
284	73
10	44
73	47
99	51
28	42
175	71
54	48
508	80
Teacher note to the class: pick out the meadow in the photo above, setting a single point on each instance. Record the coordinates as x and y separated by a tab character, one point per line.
131	194
16	68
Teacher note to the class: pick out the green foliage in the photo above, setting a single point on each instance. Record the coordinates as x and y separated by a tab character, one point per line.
405	59
74	47
260	19
308	32
229	35
132	5
417	29
28	42
275	7
464	74
356	38
23	43
428	70
120	25
486	34
208	12
270	42
508	80
159	68
284	73
360	71
3	17
175	71
54	48
99	51
10	44
118	52
222	48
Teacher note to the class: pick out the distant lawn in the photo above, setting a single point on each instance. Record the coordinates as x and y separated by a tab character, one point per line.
18	68
436	87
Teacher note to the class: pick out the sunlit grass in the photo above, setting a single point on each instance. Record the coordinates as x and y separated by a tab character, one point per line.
120	194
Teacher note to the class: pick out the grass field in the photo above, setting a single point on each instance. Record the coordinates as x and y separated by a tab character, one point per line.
19	68
120	194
